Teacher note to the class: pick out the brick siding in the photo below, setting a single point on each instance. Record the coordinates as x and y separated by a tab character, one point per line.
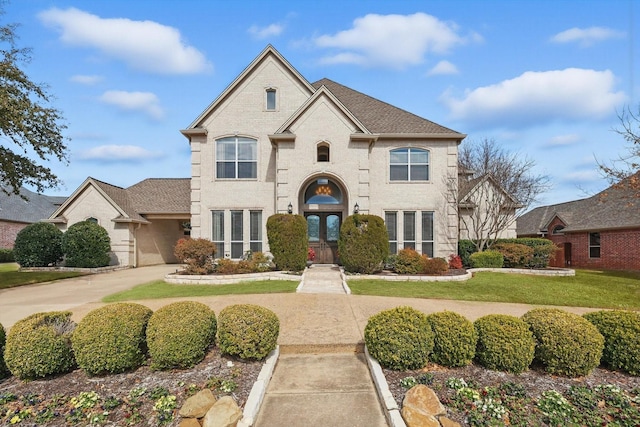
8	232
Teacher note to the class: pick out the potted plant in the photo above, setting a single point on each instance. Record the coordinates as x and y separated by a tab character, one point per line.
311	256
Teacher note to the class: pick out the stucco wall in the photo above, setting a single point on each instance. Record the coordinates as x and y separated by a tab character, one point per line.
155	241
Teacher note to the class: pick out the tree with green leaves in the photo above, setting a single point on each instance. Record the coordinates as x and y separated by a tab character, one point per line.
30	128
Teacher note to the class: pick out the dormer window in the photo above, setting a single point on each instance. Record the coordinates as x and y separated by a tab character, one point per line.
271	99
557	229
323	152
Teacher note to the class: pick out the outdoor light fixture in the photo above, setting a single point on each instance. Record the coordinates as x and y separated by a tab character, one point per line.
356	208
290	208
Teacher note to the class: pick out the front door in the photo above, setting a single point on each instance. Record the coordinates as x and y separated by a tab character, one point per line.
323	230
567	254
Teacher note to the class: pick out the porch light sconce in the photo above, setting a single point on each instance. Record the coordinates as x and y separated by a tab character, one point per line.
356	208
290	208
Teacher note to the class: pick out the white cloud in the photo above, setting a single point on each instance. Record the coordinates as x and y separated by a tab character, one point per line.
563	140
86	80
117	153
443	67
145	102
536	97
586	36
260	33
393	40
143	45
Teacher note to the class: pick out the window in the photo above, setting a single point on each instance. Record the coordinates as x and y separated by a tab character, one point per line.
427	234
594	245
409	164
271	99
322	153
255	231
92	219
236	157
409	235
217	232
236	234
391	221
557	229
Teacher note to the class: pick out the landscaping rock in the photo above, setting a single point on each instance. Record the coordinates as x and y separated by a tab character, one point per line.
197	405
423	399
189	422
446	422
416	418
224	413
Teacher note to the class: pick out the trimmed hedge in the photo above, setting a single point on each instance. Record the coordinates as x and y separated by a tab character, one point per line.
40	345
363	244
400	338
38	245
566	344
486	259
505	343
543	250
247	331
455	339
86	244
409	261
6	255
288	241
111	339
3	339
180	334
515	255
621	332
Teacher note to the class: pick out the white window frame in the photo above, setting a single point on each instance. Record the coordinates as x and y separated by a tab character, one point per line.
237	161
237	240
218	240
408	164
255	231
267	93
426	239
392	230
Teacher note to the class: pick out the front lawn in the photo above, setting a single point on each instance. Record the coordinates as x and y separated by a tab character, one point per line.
161	289
10	277
598	289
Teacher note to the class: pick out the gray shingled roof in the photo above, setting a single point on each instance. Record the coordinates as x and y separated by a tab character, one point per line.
380	117
161	195
35	208
613	208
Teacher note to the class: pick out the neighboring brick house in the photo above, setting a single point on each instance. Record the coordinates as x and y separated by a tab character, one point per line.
18	211
144	221
602	231
273	142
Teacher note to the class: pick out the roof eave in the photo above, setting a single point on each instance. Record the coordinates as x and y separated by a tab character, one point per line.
447	136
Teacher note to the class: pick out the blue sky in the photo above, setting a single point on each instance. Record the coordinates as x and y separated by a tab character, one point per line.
546	79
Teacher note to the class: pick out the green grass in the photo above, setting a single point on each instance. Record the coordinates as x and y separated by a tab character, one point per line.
10	277
161	289
597	289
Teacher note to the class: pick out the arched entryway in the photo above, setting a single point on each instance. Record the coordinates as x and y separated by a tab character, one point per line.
324	202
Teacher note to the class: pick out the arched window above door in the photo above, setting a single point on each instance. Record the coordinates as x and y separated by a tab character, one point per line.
323	192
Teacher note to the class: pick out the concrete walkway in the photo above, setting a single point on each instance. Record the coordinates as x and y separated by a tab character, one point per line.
322	279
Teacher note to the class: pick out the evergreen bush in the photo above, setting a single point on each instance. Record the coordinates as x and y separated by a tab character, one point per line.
465	249
455	339
543	250
180	334
515	255
400	338
6	255
38	245
288	241
621	332
197	255
111	339
505	343
247	331
363	244
409	261
3	339
86	244
486	259
566	344
40	345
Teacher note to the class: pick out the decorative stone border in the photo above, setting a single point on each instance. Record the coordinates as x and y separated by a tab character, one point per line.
107	269
259	389
559	272
224	279
411	278
392	411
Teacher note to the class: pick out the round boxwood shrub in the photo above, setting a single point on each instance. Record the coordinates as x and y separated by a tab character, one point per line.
409	261
566	344
111	339
505	343
40	345
3	367
38	245
621	332
247	331
454	341
86	244
363	244
288	241
486	259
179	334
400	338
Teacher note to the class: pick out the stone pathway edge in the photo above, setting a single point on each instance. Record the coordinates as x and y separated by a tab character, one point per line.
389	405
259	389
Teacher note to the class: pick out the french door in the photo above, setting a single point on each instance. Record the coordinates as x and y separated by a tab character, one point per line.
323	230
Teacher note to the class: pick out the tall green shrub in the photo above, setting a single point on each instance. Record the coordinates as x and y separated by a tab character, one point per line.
465	249
40	345
38	245
6	255
621	332
86	244
111	339
363	244
3	338
288	241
